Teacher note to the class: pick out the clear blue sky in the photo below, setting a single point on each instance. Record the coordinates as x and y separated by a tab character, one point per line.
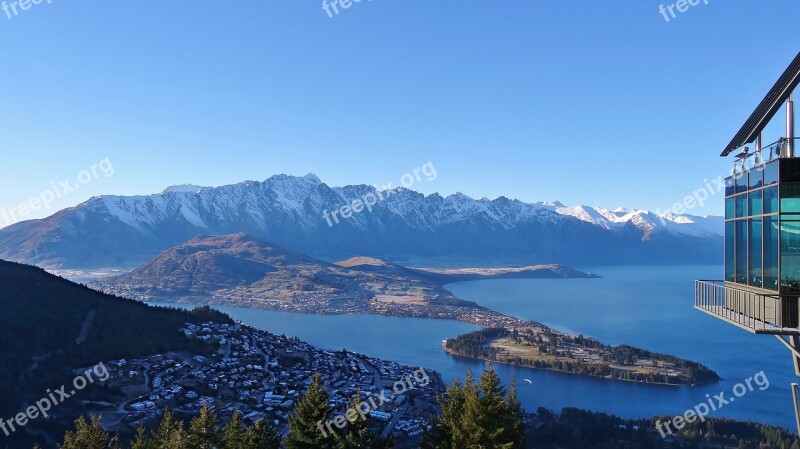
586	102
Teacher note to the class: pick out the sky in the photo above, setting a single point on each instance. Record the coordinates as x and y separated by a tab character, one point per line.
598	103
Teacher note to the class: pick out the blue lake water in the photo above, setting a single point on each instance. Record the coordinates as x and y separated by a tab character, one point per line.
648	307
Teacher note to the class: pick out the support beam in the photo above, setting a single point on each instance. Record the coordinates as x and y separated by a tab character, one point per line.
795	341
796	407
795	351
794	345
790	126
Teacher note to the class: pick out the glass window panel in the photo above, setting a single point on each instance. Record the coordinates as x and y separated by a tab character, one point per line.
771	200
741	205
741	182
754	254
790	256
756	177
730	245
741	251
730	186
771	173
755	201
770	252
730	208
790	198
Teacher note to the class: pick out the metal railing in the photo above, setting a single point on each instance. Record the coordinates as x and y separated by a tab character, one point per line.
768	153
757	312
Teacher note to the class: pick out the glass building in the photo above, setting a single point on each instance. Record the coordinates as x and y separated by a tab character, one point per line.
760	291
762	222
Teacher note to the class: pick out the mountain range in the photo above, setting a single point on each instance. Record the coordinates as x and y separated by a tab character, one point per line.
401	225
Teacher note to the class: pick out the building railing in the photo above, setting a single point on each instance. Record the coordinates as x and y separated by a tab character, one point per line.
768	153
751	310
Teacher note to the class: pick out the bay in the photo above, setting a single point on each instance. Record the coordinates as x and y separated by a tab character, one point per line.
645	306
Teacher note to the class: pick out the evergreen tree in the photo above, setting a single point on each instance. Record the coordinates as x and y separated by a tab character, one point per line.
263	436
306	425
517	417
357	435
142	440
489	416
170	434
233	436
202	434
447	431
88	435
473	429
478	416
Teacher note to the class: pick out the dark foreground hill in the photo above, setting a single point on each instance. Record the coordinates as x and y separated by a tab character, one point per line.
49	326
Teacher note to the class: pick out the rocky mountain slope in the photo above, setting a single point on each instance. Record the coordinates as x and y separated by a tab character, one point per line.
401	225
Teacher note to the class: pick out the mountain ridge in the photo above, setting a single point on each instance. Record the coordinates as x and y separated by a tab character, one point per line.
125	231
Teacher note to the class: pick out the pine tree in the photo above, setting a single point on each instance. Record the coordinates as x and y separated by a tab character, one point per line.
447	431
142	440
473	428
357	435
170	434
306	425
202	434
517	416
496	419
263	436
233	437
478	416
88	435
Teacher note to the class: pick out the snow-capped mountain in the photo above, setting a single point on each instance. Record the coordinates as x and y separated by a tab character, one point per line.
306	215
644	220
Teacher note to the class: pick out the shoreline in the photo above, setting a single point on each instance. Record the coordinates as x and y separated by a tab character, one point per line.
553	370
491	319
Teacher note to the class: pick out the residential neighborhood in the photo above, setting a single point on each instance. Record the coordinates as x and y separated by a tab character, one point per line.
262	376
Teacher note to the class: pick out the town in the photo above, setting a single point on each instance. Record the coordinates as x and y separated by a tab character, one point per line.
262	375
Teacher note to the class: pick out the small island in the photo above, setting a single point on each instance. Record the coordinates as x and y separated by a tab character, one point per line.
538	346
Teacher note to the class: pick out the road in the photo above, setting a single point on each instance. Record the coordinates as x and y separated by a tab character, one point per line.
376	375
395	419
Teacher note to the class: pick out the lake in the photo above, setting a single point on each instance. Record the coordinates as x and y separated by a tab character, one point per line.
649	307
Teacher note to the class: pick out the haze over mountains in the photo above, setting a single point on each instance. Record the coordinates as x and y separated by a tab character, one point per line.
126	231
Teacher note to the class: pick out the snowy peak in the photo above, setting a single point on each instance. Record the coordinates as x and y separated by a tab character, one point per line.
312	178
644	220
307	216
551	204
182	188
306	197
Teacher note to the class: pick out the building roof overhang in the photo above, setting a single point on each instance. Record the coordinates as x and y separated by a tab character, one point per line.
768	107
